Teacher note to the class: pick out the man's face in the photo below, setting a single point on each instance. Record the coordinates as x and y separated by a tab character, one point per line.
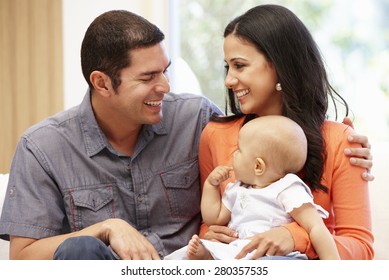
138	98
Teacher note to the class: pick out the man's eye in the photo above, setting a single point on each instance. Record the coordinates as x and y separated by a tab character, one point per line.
149	78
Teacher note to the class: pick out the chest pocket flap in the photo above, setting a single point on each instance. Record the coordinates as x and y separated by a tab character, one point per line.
94	198
182	177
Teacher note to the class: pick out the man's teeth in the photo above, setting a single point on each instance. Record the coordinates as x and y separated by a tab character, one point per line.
153	103
242	93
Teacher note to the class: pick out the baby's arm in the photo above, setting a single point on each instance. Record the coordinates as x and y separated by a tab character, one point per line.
212	208
308	218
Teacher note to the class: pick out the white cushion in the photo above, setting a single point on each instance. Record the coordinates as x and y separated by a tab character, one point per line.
3	187
4	245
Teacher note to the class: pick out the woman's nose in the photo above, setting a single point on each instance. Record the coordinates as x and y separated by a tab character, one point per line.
230	81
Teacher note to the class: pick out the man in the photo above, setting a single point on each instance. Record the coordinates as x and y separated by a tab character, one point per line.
117	176
121	167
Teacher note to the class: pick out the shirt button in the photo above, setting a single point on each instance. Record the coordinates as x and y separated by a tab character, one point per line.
12	192
160	253
140	197
128	167
145	233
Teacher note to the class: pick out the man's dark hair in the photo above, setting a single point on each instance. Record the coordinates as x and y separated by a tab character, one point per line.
110	38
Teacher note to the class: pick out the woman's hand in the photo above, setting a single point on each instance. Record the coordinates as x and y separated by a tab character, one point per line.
221	234
275	242
360	156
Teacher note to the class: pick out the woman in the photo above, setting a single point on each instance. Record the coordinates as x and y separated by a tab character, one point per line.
274	68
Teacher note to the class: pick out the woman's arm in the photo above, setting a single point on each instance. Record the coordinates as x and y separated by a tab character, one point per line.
350	199
347	200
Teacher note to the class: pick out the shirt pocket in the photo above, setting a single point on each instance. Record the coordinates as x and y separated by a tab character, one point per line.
182	184
90	205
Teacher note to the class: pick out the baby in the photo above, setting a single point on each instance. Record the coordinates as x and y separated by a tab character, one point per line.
267	193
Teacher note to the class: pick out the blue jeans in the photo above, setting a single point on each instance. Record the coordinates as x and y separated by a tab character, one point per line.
84	248
91	248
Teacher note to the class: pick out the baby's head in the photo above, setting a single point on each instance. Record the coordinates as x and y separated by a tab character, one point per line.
269	147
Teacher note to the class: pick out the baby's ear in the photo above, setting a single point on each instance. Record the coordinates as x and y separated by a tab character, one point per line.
260	166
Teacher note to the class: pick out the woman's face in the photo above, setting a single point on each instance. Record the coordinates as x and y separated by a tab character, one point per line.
251	77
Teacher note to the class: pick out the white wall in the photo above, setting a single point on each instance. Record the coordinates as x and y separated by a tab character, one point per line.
77	15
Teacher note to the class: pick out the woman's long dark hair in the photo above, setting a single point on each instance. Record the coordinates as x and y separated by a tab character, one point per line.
288	45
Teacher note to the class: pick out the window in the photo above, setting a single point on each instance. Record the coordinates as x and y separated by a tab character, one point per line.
354	46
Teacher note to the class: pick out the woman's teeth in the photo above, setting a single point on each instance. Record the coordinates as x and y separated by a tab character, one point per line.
242	93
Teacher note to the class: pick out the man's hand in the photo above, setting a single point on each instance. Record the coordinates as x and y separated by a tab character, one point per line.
127	242
360	156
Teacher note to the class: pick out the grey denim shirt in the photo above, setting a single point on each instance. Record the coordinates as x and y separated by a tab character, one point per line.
65	176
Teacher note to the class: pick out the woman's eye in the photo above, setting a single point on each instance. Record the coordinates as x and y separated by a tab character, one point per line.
235	65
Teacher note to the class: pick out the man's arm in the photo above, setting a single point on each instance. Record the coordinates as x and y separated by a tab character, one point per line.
125	240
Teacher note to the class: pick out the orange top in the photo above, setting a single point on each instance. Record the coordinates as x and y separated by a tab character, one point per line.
347	200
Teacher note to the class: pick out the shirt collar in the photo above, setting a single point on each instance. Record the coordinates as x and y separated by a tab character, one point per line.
94	138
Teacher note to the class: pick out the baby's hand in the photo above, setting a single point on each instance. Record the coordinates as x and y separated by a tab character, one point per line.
219	174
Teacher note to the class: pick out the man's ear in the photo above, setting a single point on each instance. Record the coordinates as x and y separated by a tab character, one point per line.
260	166
101	83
